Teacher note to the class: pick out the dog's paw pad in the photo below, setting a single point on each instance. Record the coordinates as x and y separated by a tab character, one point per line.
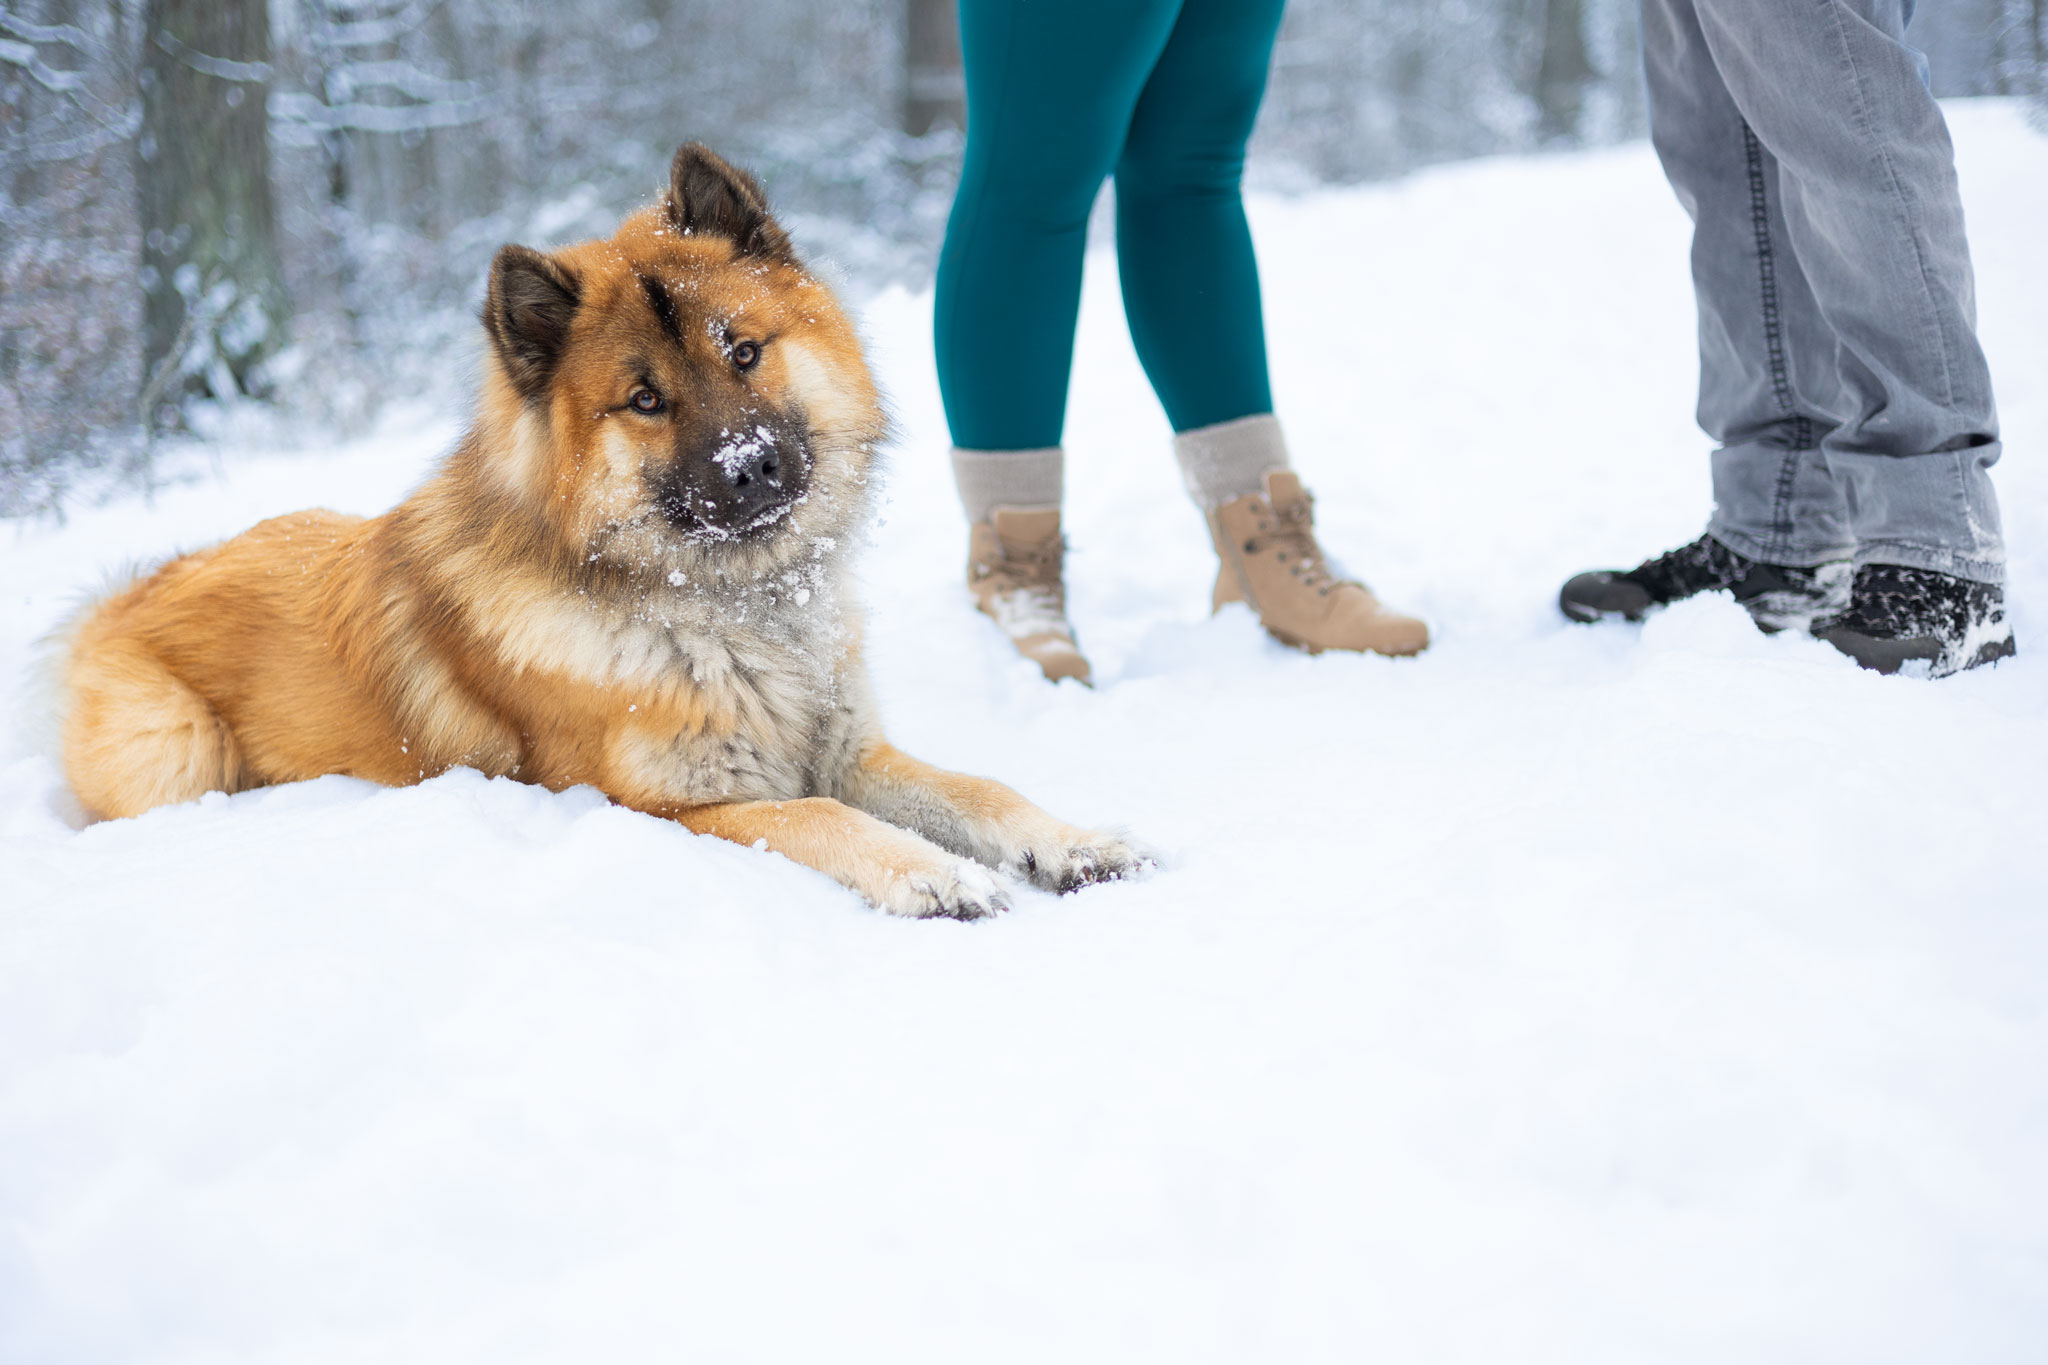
961	891
1085	861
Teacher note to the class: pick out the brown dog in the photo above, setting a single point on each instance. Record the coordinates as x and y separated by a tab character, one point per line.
630	574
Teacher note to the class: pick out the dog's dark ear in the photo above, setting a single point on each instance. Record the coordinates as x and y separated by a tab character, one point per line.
531	303
709	196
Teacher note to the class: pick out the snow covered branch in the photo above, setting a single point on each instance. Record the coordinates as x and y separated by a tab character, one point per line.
309	112
220	68
21	50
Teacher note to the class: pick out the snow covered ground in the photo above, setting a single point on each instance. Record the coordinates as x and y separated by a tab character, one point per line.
1580	995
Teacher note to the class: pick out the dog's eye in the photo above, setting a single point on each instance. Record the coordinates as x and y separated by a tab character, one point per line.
644	400
745	354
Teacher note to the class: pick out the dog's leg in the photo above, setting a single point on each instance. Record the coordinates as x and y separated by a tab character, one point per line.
892	868
986	821
135	736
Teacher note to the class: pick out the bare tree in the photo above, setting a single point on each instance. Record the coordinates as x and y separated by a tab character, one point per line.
214	306
407	139
934	91
379	84
1564	71
2021	61
69	316
57	55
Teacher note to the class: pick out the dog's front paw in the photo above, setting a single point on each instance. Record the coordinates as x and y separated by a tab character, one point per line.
943	888
1073	858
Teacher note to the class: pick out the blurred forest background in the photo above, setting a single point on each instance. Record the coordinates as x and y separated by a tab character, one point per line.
288	205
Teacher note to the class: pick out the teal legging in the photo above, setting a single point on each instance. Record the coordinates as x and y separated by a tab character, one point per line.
1061	93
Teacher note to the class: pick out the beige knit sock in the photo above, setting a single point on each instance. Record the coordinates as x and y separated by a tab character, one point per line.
1031	480
1230	459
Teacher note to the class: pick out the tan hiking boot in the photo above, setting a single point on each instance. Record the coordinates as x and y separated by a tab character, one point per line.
1013	569
1271	562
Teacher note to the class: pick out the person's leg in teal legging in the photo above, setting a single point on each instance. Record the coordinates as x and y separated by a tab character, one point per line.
1051	86
1060	93
1183	248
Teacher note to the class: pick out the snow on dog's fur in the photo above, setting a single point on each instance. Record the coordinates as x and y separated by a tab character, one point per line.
630	574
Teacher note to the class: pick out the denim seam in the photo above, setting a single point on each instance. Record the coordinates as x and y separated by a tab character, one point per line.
1801	435
1958	466
1781	506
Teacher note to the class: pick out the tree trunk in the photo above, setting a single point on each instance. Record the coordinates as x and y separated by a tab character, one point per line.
2033	19
1564	70
70	319
2041	58
934	92
214	307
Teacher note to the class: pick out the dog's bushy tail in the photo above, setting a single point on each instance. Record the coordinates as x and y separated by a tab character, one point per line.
41	700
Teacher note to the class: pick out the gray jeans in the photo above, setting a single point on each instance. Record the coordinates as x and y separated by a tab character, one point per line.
1839	365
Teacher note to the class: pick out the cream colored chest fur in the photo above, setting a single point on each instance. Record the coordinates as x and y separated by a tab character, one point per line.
751	694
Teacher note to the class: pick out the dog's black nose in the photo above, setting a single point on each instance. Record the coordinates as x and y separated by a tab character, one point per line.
753	465
737	481
761	467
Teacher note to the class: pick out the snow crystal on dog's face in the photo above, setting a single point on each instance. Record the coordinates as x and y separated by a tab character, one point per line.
709	414
739	450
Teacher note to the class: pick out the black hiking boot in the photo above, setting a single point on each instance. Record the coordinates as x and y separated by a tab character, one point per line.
1778	596
1899	616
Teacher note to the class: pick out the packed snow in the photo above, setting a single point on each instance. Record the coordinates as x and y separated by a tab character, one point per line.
1660	993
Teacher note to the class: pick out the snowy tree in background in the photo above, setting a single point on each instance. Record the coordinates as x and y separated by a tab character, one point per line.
70	315
934	89
1986	47
2023	53
199	197
214	305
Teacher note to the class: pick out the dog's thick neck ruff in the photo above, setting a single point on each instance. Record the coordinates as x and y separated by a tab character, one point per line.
635	602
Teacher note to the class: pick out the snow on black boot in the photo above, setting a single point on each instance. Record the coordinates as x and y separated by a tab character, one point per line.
1899	616
1777	596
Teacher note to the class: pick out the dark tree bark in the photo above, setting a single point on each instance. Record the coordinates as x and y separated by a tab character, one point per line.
2029	29
1563	71
934	93
2041	59
214	308
70	320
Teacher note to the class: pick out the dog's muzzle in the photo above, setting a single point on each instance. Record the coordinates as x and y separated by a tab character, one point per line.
747	482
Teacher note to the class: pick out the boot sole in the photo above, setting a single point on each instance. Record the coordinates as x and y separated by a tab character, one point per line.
1294	642
1587	616
1881	655
1772	612
1603	595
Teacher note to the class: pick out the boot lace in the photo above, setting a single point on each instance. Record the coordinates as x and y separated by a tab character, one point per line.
1893	602
1289	531
1030	591
1705	565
